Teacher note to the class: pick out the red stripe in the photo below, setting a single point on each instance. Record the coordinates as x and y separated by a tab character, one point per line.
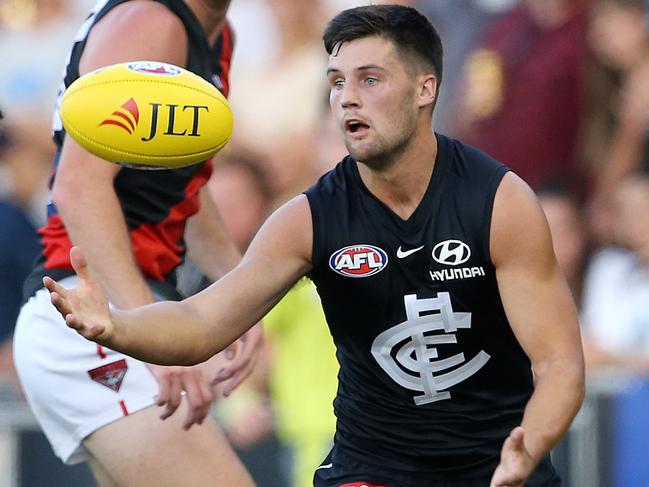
56	244
157	248
100	352
123	406
125	117
116	122
132	108
226	57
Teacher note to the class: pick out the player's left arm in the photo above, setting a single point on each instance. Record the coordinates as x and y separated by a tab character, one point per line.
542	314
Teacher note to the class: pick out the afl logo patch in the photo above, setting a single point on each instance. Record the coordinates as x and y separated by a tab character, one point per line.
358	261
451	252
151	67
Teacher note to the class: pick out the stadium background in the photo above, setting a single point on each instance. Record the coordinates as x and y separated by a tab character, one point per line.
557	89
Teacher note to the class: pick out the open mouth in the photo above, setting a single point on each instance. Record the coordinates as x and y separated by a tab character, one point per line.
356	127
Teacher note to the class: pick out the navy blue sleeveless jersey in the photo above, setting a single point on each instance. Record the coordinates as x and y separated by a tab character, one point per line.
156	204
432	379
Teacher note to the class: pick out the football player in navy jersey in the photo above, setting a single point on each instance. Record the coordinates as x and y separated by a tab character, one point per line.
460	355
93	403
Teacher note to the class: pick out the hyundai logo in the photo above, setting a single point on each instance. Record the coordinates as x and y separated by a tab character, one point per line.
451	252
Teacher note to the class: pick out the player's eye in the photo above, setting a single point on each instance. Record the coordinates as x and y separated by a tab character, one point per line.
338	83
371	81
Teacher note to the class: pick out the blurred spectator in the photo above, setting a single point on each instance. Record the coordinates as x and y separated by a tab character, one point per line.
27	160
616	292
459	23
327	142
522	90
18	250
568	235
303	379
34	40
242	194
276	103
298	369
617	139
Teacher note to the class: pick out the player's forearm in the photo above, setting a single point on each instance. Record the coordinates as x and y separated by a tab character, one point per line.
163	333
97	225
209	245
557	397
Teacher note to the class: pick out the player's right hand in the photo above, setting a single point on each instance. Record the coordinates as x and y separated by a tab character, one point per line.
84	307
172	381
516	464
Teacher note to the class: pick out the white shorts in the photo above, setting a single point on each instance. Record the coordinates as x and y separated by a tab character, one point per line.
73	385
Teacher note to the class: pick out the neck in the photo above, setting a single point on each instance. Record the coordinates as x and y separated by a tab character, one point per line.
401	181
210	14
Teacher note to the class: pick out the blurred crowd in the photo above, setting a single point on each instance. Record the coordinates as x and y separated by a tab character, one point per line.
558	90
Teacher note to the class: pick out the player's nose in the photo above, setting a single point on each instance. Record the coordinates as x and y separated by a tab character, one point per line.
350	97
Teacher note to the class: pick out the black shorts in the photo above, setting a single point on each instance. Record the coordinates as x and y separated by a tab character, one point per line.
349	472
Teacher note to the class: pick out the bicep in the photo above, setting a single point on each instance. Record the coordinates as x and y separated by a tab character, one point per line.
535	295
278	257
80	170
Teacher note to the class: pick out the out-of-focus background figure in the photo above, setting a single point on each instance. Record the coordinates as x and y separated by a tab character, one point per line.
616	300
285	412
275	96
556	89
460	23
522	89
18	246
569	236
616	138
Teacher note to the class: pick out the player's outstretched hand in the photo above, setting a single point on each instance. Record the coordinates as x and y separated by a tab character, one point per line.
84	307
244	353
516	464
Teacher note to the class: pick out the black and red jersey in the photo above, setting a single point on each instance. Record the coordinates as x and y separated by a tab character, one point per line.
156	204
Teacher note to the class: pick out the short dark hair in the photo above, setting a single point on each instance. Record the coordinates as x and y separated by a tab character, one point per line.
409	30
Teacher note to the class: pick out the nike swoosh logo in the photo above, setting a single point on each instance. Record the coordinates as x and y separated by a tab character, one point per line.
328	465
405	253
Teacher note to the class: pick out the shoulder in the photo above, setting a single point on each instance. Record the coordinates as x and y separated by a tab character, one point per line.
519	228
145	14
469	163
137	29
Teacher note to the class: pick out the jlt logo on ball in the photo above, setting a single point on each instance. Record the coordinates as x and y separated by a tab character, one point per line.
127	117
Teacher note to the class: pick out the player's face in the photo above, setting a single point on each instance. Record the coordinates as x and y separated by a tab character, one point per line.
373	99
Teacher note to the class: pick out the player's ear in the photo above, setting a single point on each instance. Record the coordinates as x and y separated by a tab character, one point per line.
427	90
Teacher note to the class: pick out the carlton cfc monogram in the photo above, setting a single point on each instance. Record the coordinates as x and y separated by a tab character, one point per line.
406	352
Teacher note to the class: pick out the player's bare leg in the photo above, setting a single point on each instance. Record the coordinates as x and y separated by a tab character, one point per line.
140	450
102	477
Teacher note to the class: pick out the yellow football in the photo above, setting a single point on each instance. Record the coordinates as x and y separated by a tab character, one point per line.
147	114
